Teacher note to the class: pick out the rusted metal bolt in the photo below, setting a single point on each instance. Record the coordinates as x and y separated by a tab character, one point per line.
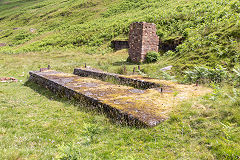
134	68
124	70
139	68
197	82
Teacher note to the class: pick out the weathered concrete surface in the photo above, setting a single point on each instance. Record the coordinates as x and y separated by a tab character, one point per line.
127	104
123	103
182	91
120	79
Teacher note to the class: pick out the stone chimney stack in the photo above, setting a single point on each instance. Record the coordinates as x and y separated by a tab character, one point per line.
142	39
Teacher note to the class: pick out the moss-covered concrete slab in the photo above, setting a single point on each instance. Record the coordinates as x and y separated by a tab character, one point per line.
120	79
136	107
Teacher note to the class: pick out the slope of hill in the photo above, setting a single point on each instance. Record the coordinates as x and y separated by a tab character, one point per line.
210	27
37	124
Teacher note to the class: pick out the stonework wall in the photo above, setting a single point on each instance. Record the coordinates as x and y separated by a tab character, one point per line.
117	77
170	44
118	45
142	39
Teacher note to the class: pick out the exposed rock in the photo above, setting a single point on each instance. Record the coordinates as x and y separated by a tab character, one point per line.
8	79
33	30
168	68
2	44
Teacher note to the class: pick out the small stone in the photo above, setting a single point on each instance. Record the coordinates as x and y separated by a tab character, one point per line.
2	44
168	68
8	79
33	30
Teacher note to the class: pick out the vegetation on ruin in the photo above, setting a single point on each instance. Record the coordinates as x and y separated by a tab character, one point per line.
36	124
152	57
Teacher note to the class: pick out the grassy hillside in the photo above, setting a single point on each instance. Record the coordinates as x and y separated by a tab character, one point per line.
37	124
210	27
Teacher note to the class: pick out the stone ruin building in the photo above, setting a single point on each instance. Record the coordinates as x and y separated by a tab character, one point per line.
142	39
119	44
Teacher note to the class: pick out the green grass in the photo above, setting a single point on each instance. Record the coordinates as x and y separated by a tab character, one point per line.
210	27
37	124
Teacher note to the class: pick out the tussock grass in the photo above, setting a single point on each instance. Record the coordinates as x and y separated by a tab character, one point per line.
210	27
36	124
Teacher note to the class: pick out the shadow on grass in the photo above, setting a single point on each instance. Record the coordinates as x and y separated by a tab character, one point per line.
82	106
122	63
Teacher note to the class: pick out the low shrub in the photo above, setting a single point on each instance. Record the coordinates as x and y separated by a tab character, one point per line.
205	75
152	57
